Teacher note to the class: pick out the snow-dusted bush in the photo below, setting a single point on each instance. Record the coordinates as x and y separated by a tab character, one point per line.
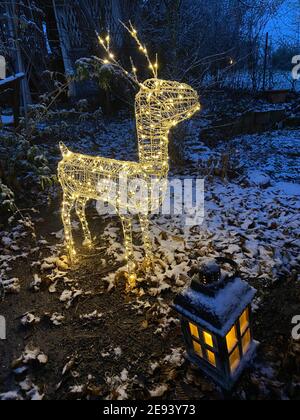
23	171
109	78
7	198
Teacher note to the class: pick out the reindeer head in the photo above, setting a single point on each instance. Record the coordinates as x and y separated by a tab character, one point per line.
174	102
159	103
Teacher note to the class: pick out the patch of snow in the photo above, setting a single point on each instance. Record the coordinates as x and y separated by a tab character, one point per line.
11	396
30	319
92	316
57	319
159	391
287	188
76	389
31	354
258	179
118	352
12	286
176	358
36	284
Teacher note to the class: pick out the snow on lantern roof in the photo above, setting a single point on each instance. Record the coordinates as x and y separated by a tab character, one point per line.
217	312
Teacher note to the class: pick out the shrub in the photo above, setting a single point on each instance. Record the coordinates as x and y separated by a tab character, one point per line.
24	172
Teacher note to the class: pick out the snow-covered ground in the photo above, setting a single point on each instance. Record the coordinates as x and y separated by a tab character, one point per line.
279	80
6	119
252	218
255	218
284	80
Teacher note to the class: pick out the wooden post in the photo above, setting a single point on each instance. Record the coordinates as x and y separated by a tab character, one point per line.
59	9
77	25
16	103
13	31
266	61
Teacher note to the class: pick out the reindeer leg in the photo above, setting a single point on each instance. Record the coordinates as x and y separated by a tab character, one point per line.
80	210
144	221
68	203
127	228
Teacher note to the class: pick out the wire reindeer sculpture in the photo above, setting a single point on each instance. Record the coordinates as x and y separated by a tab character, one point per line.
159	106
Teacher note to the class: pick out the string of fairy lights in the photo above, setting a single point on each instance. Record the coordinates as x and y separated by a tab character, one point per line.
159	106
105	42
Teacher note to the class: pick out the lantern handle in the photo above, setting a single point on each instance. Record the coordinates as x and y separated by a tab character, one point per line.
232	263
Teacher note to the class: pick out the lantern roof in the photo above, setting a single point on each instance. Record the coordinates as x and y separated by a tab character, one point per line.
216	312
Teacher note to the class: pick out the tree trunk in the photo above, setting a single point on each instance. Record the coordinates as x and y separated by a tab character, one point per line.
12	21
64	43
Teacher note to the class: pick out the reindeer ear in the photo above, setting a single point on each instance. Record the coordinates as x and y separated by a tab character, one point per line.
144	88
63	148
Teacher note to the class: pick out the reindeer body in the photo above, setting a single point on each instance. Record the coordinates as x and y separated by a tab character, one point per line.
160	105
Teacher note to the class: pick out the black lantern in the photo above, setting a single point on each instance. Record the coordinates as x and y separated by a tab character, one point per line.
216	322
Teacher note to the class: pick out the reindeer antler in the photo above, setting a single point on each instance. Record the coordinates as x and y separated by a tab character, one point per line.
133	32
111	59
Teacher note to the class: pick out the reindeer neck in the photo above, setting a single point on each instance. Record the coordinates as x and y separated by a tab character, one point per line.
153	139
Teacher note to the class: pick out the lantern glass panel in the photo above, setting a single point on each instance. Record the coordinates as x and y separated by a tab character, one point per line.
194	330
231	339
211	358
246	341
198	349
244	321
208	339
235	360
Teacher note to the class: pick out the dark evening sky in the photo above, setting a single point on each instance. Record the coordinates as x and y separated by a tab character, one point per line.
285	26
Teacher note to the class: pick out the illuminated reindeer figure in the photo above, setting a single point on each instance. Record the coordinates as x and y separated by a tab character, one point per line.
160	105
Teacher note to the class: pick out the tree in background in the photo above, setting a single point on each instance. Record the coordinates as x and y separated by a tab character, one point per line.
196	40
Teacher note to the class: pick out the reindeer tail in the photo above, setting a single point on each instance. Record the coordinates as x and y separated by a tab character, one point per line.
63	148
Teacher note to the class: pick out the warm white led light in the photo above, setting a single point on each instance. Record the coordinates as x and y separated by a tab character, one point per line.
160	105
